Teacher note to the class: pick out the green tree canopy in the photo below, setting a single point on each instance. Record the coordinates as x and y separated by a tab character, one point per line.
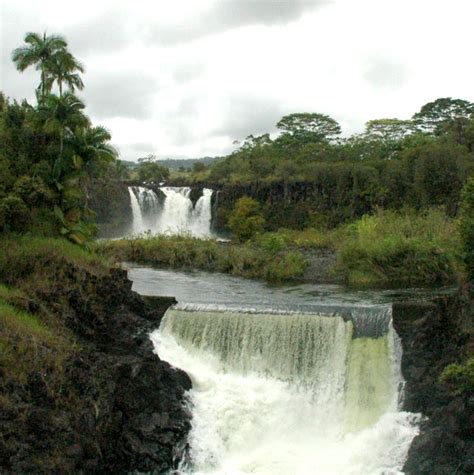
149	170
434	117
246	219
309	127
389	129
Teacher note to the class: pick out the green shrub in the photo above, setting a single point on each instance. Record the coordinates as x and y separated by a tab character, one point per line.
14	214
272	242
246	219
185	252
400	249
286	267
459	377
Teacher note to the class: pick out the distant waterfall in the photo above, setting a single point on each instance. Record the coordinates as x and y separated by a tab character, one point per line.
173	214
280	393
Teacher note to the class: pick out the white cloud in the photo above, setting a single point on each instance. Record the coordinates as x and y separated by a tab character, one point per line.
185	78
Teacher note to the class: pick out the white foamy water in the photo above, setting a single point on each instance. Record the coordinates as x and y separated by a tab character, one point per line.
173	214
287	394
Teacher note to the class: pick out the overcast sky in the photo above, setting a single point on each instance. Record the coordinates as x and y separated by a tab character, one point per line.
187	78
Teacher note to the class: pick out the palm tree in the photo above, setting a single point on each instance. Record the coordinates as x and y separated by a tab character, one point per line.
90	147
38	51
92	144
63	116
62	67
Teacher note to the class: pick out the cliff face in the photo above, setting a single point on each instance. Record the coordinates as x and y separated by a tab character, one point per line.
121	408
288	204
435	335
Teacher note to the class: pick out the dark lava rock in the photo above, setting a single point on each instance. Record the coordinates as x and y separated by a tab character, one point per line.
433	336
122	409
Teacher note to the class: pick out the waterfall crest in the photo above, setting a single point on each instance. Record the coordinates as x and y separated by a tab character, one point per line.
173	213
289	392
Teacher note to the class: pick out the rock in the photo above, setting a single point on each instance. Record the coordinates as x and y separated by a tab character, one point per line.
433	336
122	409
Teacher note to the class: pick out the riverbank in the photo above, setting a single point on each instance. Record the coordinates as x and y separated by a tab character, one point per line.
386	250
81	388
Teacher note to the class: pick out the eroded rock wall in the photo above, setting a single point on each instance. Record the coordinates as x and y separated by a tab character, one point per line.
435	335
122	408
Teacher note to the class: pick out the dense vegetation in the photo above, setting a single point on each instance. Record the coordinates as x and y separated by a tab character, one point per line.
251	260
50	151
323	179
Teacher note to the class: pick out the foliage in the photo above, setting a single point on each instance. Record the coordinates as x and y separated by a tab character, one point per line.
246	260
50	151
309	127
152	171
24	256
246	219
394	249
467	227
39	50
459	377
435	116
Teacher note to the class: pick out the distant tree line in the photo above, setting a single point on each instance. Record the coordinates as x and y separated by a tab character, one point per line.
421	162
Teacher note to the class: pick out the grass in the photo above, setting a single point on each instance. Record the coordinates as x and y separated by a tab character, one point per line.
29	347
22	256
401	249
185	252
387	249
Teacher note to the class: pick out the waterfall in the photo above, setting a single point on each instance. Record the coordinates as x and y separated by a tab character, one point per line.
174	214
290	392
138	225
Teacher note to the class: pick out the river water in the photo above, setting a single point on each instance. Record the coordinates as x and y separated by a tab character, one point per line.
301	379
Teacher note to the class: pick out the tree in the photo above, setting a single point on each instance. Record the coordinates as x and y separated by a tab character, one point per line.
92	144
39	51
152	171
389	130
435	116
62	67
199	167
309	127
62	116
246	220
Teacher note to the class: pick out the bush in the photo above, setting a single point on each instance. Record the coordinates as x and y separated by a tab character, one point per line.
459	377
185	252
246	219
14	214
272	242
394	249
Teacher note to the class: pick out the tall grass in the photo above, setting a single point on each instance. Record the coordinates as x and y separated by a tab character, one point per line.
22	256
29	348
401	249
271	262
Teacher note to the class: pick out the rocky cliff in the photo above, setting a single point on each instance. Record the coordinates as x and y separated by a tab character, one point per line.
435	335
120	408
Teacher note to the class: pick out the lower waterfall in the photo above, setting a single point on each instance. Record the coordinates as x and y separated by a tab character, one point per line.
174	213
290	393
